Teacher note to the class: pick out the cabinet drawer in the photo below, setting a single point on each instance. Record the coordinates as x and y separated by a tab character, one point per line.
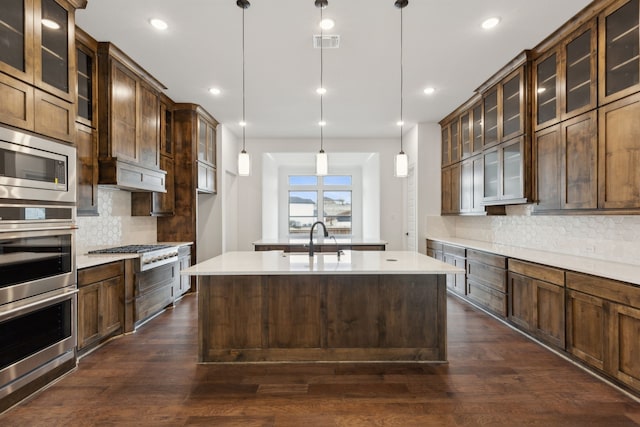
487	258
454	250
540	272
486	297
153	302
611	290
90	275
488	275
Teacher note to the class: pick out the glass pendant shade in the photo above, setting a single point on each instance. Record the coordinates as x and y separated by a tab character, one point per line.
322	163
402	165
244	164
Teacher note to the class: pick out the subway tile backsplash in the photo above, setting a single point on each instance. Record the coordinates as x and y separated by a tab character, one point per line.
608	237
115	226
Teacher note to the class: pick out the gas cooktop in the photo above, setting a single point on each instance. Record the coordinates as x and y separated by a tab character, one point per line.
130	249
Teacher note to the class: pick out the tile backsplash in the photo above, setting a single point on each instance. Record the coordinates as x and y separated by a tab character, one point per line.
115	226
608	237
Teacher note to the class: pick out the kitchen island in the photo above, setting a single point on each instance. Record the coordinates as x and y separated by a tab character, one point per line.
282	307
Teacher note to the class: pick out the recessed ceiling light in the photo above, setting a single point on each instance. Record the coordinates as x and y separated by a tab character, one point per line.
321	91
159	24
400	123
429	90
322	123
489	23
327	24
243	124
214	91
50	24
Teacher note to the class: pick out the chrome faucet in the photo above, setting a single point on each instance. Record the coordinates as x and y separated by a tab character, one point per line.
326	234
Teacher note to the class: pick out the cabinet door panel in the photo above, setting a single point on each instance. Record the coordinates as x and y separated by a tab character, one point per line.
490	122
548	158
88	314
466	186
579	163
619	154
54	117
521	301
546	108
624	344
549	312
16	108
586	328
512	106
124	92
111	292
455	188
87	170
446	191
580	67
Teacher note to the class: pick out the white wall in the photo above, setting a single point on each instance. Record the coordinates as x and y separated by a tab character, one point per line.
229	188
250	200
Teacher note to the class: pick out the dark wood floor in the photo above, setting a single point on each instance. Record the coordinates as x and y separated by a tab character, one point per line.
495	377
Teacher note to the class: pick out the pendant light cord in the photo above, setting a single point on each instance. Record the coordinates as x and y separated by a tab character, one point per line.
401	84
243	95
321	84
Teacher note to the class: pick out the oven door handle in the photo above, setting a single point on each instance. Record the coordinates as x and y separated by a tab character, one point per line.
29	305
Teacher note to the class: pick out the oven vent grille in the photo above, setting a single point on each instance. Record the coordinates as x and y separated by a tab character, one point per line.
328	41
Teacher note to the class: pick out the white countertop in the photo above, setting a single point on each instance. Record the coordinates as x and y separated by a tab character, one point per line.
352	262
320	241
91	260
609	269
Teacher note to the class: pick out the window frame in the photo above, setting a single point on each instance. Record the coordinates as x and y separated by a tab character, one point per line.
356	198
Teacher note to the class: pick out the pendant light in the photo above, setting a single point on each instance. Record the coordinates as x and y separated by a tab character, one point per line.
402	161
322	162
244	161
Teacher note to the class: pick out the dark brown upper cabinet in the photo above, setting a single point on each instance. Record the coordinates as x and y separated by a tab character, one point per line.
619	44
565	79
38	66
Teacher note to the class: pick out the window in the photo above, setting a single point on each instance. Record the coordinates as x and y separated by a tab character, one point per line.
327	199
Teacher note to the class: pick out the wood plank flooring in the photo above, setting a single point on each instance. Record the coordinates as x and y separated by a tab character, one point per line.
495	377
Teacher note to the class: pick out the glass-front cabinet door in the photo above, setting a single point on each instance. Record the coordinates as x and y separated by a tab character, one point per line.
512	169
491	175
465	136
54	31
445	145
580	73
512	106
477	128
619	71
16	40
546	109
455	142
36	44
491	118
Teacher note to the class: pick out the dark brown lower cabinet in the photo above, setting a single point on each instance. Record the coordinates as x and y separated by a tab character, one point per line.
456	256
100	304
487	281
536	300
603	320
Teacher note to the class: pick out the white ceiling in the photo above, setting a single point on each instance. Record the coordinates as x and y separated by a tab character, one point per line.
444	47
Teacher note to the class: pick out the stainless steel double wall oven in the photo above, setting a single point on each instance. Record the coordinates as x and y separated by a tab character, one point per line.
37	257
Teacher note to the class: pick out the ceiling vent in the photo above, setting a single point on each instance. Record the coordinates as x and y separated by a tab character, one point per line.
328	42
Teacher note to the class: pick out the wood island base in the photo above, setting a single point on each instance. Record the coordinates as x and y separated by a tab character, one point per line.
322	317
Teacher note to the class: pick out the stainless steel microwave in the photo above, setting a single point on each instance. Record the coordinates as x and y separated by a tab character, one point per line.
34	168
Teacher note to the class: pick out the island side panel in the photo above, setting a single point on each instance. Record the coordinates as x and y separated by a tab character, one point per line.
295	317
230	314
323	318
